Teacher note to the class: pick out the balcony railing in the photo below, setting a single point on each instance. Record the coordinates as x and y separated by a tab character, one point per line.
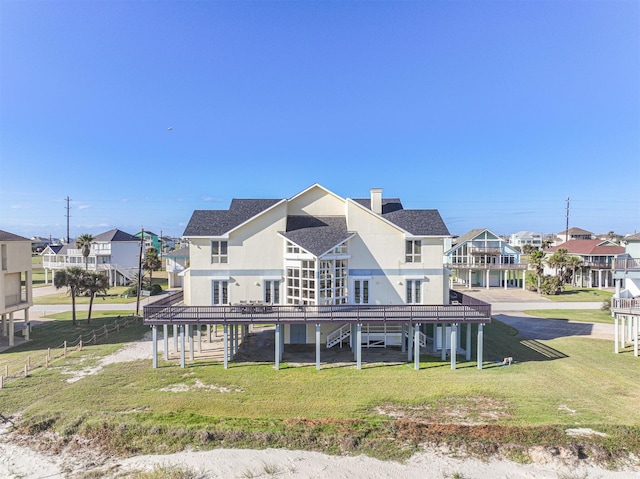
485	250
625	306
595	265
473	311
485	266
626	264
11	300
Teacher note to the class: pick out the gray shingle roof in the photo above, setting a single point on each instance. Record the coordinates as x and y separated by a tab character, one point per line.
219	222
179	253
115	235
418	222
316	234
6	236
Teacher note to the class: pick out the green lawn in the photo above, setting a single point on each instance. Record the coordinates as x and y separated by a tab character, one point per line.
552	385
581	315
571	294
115	295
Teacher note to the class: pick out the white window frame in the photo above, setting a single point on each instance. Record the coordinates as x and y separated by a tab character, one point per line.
219	252
413	291
361	291
219	287
413	251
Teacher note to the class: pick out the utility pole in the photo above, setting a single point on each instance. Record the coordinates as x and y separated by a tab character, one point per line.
566	231
68	216
140	274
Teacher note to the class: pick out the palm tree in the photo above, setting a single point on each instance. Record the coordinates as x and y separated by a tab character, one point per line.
83	243
536	261
151	262
94	282
72	278
573	262
558	260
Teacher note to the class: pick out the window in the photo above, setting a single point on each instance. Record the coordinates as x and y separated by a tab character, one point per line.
413	291
333	281
220	292
301	283
339	250
272	292
4	257
361	291
219	252
292	249
412	251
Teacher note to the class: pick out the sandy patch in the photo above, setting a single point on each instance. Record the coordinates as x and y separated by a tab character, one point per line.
182	387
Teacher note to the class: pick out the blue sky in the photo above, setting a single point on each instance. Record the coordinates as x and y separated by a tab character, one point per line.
492	112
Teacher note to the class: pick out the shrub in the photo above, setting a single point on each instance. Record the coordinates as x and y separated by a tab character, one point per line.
156	289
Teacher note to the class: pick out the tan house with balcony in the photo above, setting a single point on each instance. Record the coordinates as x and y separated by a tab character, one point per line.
15	282
625	305
482	258
115	252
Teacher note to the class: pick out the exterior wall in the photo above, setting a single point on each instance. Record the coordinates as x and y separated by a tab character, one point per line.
18	262
125	254
316	202
632	248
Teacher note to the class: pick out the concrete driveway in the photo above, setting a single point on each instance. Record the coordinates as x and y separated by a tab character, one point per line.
508	305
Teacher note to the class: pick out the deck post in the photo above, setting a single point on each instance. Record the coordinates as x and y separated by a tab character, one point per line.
480	344
175	337
231	342
467	355
199	333
636	330
524	279
359	346
454	344
154	348
402	350
277	341
352	340
12	330
409	341
225	345
182	345
416	348
443	342
236	337
165	342
623	339
616	333
318	346
190	333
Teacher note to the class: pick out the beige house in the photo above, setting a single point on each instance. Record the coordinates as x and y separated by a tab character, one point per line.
316	248
15	282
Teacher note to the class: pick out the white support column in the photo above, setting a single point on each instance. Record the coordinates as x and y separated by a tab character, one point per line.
467	355
12	330
4	325
480	344
318	347
353	341
505	278
402	334
182	346
154	348
277	341
236	338
616	333
225	345
208	333
488	275
359	346
524	279
416	348
27	325
443	342
199	333
636	331
175	337
409	341
599	279
454	342
622	331
165	337
469	282
191	349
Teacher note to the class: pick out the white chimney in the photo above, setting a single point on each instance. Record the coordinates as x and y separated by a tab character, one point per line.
376	200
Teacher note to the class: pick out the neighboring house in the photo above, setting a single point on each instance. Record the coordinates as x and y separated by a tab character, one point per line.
114	251
38	244
625	305
177	262
573	234
597	258
316	249
482	258
522	238
15	282
151	240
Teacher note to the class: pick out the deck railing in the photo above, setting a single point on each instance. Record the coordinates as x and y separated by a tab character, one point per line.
473	311
626	264
485	266
625	306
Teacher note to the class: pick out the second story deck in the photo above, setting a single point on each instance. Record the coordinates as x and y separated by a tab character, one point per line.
470	310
